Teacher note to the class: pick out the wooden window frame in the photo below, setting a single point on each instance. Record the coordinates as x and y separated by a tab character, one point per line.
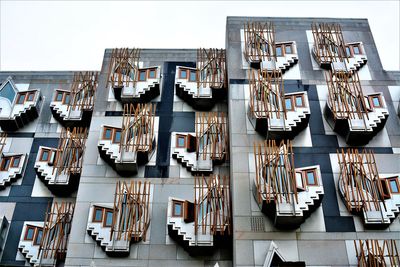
13	158
105	210
105	128
115	134
359	49
2	163
49	151
180	73
371	101
291	48
190	76
26	232
145	75
65	94
314	171
20	95
302	101
291	101
397	183
177	143
303	185
281	46
38	229
56	96
94	214
174	202
155	73
29	95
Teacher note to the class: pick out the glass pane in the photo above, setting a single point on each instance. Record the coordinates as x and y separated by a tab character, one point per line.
8	92
98	215
178	209
288	103
348	53
181	141
376	102
107	135
192	75
279	51
16	162
66	99
117	137
183	74
59	96
45	155
299	101
31	96
142	75
310	178
109	215
29	233
356	50
5	163
38	236
393	186
152	73
288	49
21	98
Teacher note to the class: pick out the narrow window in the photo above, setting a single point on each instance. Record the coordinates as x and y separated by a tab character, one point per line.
180	141
311	179
59	96
98	215
38	238
15	162
5	164
376	102
66	98
394	186
279	52
348	52
31	96
108	219
117	136
177	209
182	74
356	50
288	49
299	101
29	233
21	98
288	103
192	77
45	155
107	134
142	75
152	73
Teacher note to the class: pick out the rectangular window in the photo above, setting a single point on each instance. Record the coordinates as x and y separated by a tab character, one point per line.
299	101
5	164
279	51
348	52
15	162
29	233
31	96
180	141
66	98
45	155
142	75
394	186
38	237
177	210
288	49
152	73
182	74
21	98
117	136
97	214
107	134
59	97
311	177
108	218
376	102
288	103
356	50
192	77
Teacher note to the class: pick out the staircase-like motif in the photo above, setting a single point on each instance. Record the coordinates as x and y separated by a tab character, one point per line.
13	173
70	117
31	250
282	63
189	161
144	91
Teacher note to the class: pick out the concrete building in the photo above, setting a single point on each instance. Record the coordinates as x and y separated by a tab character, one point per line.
281	150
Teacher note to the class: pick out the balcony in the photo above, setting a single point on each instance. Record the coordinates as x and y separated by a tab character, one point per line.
286	194
202	87
18	107
130	82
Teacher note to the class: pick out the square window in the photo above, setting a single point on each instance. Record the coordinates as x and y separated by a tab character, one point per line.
45	155
356	50
394	186
59	96
288	49
288	103
142	75
107	134
311	179
182	74
279	51
38	238
31	96
30	232
299	101
5	164
152	73
117	136
177	209
21	98
180	141
192	77
16	161
98	215
108	220
376	102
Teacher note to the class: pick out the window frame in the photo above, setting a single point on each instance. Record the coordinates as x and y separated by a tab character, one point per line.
38	229
56	96
303	104
315	177
291	103
21	95
177	142
149	71
291	48
282	50
65	95
190	75
177	202
3	166
115	134
181	70
27	228
371	101
94	214
145	75
48	154
105	211
359	49
29	94
13	158
105	128
390	186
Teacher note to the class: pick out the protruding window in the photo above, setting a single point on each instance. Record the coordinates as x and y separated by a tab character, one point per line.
182	74
45	155
15	161
288	49
152	73
289	104
29	233
356	50
31	96
299	101
376	101
5	164
21	99
279	51
108	218
311	177
98	214
142	75
394	186
107	133
117	136
38	237
59	97
177	209
180	141
192	77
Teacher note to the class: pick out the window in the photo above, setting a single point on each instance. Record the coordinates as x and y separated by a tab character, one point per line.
38	237
180	141
5	164
279	51
31	96
394	186
152	73
311	177
21	98
348	52
288	103
59	96
376	102
356	50
29	233
108	218
107	133
192	77
45	155
299	101
66	98
177	210
8	92
288	49
15	162
142	75
182	74
97	214
117	136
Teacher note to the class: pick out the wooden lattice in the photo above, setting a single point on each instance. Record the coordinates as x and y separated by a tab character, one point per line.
275	173
259	41
359	180
57	226
83	90
212	205
123	67
212	136
375	253
131	216
3	139
211	69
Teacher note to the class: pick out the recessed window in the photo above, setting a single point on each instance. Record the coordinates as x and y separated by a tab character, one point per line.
299	101
180	141
288	49
177	209
66	98
59	96
108	219
152	73
29	233
376	102
39	234
356	50
107	133
288	103
45	155
117	136
192	77
15	162
31	96
394	186
310	177
98	214
182	73
5	164
142	75
21	98
279	52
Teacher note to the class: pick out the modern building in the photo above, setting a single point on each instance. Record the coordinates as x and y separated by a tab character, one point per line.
283	149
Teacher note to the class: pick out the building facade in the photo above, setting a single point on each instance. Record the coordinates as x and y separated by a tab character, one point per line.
280	150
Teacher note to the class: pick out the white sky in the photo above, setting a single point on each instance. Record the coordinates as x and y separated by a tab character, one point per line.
71	35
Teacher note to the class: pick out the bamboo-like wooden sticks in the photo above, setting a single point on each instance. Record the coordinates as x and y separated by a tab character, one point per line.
3	139
83	90
376	253
275	173
329	45
138	127
212	136
211	69
131	216
345	95
267	94
69	154
123	67
259	41
57	226
359	180
212	205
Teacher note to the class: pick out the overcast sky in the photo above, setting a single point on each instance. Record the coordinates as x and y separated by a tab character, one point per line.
71	35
